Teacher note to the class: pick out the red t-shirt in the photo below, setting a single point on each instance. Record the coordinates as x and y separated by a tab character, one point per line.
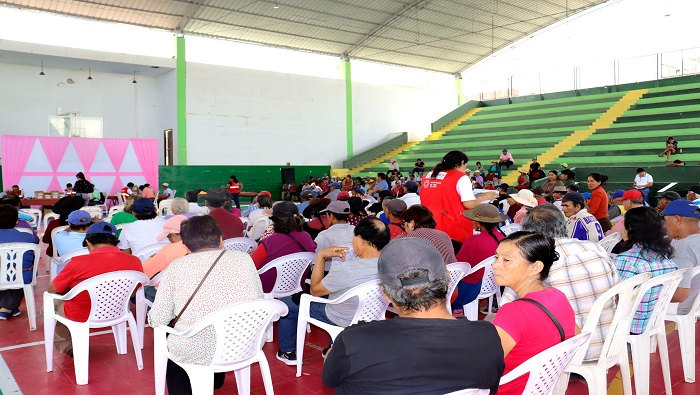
98	261
532	330
395	229
231	225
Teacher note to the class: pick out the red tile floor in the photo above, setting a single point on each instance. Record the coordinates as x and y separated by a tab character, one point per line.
110	373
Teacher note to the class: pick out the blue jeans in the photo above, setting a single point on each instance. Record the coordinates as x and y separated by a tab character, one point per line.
645	192
287	325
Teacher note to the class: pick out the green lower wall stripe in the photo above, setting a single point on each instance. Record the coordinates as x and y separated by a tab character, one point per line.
181	78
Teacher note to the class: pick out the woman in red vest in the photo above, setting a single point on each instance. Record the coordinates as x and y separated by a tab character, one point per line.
234	188
447	191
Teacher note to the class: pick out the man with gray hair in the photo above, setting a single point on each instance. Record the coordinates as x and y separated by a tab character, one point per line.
180	206
583	272
424	349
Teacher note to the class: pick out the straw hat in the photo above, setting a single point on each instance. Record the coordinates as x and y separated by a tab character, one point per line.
487	213
525	197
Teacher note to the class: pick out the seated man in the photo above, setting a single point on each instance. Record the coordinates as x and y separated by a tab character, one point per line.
192	197
167	191
143	232
10	299
682	223
580	224
340	232
180	206
506	159
24	219
71	238
394	210
104	257
418	167
411	196
424	350
371	235
230	224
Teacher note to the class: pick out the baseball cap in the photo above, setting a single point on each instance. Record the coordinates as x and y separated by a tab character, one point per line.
573	197
573	187
538	191
335	185
358	190
410	253
695	188
586	195
504	187
144	206
102	227
682	208
344	195
617	194
632	194
79	217
338	207
172	225
396	206
306	194
411	186
284	209
565	165
671	195
265	193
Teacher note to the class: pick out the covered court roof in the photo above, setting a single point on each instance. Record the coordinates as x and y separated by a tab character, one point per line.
440	35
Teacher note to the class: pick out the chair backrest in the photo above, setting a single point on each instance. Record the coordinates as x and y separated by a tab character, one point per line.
95	211
164	207
371	303
157	278
695	310
11	260
55	231
667	284
65	258
242	244
35	214
148	251
258	227
512	228
610	241
48	217
109	294
458	271
488	283
115	209
121	197
290	270
239	329
625	293
546	367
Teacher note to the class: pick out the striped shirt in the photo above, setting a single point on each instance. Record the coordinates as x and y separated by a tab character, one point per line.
635	261
440	240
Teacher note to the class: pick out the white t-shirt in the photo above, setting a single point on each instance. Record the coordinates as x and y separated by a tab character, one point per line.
642	180
464	189
139	234
687	255
196	208
410	199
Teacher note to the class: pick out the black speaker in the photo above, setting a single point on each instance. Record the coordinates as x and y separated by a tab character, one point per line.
288	175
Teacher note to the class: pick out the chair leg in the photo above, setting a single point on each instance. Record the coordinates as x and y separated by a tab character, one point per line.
625	373
160	360
301	337
269	336
243	380
141	314
136	342
471	310
119	332
80	336
641	345
49	329
31	306
663	354
265	372
201	378
686	335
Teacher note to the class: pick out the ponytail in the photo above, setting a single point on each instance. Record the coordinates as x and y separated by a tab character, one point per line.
452	160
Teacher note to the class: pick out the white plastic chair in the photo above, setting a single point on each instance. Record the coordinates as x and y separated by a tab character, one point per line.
141	313
614	350
95	211
471	391
11	259
512	228
58	264
239	340
47	218
610	241
148	251
121	197
546	367
115	209
489	288
685	324
243	244
371	306
644	343
36	217
458	270
109	298
50	260
258	226
164	207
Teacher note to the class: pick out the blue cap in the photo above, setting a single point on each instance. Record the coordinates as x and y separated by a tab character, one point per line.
335	185
79	217
103	228
143	206
504	150
682	208
586	195
617	194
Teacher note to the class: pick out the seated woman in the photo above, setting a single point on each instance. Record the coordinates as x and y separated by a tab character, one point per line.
418	221
523	260
486	219
233	280
523	180
288	238
357	210
650	251
552	181
568	177
671	148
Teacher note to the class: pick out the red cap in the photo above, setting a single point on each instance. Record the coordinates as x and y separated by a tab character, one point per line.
265	193
632	194
344	195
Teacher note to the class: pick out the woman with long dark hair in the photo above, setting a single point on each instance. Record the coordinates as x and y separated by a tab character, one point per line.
598	205
552	181
234	188
83	187
447	192
651	252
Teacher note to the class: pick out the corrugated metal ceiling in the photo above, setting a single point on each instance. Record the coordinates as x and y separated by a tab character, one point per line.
440	35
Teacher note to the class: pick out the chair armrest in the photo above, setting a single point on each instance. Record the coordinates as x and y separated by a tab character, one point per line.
311	298
54	296
168	329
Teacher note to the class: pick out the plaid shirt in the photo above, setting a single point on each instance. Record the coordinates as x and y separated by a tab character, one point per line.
633	262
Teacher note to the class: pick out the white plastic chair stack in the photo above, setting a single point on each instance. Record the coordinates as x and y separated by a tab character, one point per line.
610	241
371	306
243	244
289	277
512	228
614	350
489	288
643	344
685	324
109	297
47	218
148	251
11	259
546	367
164	207
36	217
95	211
58	264
239	340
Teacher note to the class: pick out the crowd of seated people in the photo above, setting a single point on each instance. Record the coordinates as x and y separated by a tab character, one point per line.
402	232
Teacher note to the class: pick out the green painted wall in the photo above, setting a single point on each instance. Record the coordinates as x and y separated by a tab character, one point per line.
254	178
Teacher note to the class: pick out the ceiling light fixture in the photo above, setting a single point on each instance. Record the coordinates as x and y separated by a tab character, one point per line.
89	73
42	69
276	6
134	80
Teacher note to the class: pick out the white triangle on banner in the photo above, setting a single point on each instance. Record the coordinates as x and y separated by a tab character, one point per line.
70	161
30	184
102	163
38	160
131	162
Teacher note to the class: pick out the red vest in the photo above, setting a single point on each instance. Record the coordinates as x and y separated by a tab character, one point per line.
440	196
234	188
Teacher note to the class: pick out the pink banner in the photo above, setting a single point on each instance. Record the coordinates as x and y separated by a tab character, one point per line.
116	149
54	147
15	154
147	153
86	149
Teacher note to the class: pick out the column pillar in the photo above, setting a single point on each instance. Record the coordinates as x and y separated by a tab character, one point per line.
458	88
347	75
181	78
